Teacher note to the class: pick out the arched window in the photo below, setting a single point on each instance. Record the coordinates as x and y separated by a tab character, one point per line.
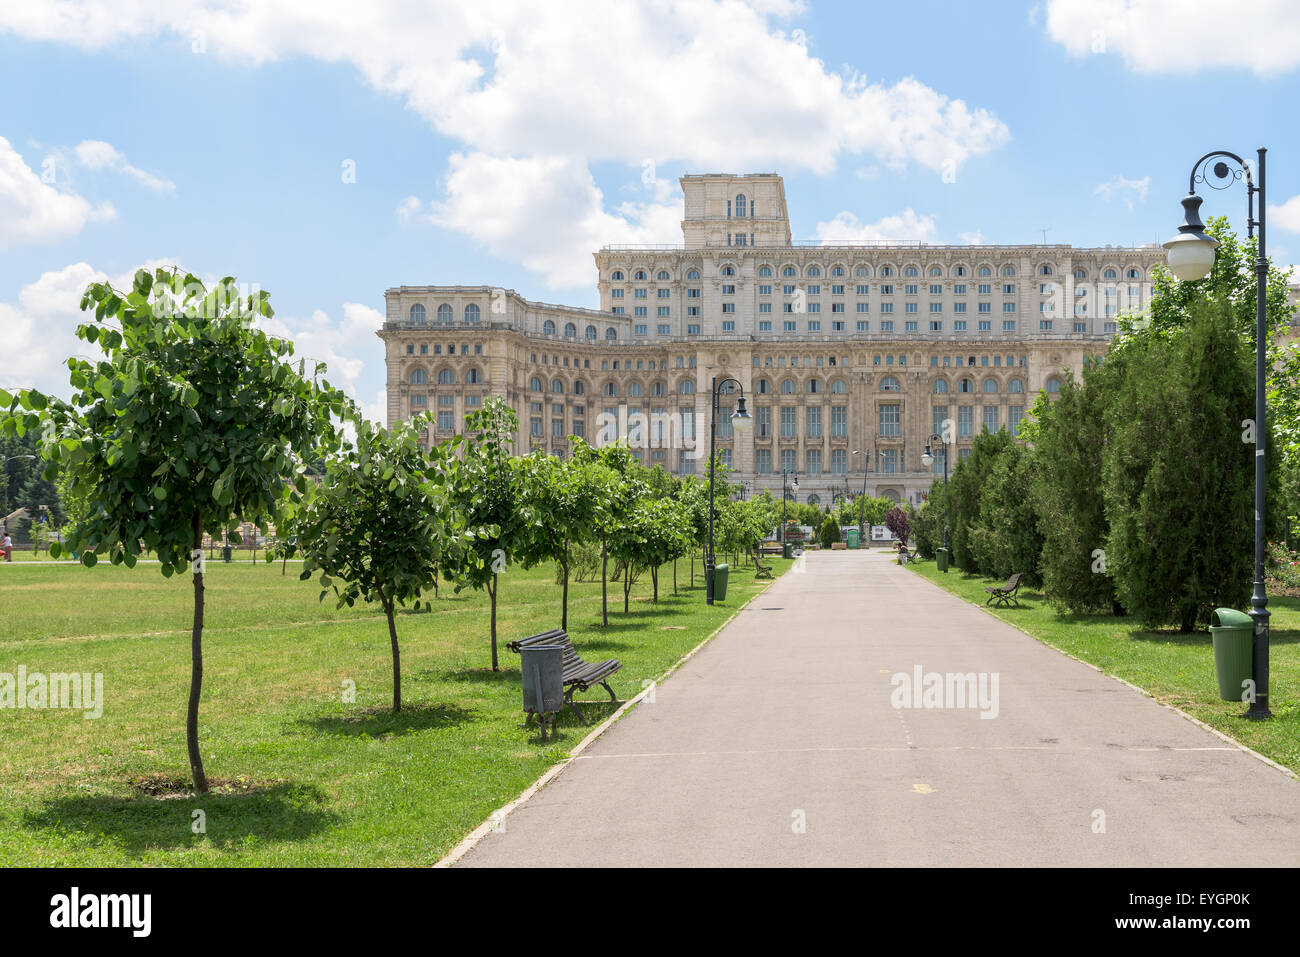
966	385
765	271
862	272
548	328
741	205
1008	270
940	386
473	377
1110	274
1133	274
728	270
444	313
471	313
591	332
1053	385
788	272
658	388
910	272
616	275
611	334
935	271
984	271
535	384
839	386
814	271
446	377
640	275
787	386
887	271
419	377
579	388
687	387
693	274
763	387
889	384
557	386
1080	274
1016	385
634	389
959	271
813	386
990	385
1044	270
611	388
417	313
570	330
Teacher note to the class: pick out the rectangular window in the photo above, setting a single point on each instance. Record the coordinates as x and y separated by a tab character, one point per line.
814	307
692	294
787	422
534	426
724	422
959	289
910	325
1014	414
557	428
787	460
889	461
663	311
1044	325
1009	325
1008	307
665	329
1008	289
728	289
991	418
693	329
640	311
763	461
616	293
886	307
790	325
763	422
814	290
959	307
839	461
765	307
965	420
936	325
813	422
765	290
909	289
837	290
765	325
864	290
889	420
887	325
729	307
940	416
814	325
839	420
863	325
909	307
1080	327
639	293
959	325
986	325
814	460
985	288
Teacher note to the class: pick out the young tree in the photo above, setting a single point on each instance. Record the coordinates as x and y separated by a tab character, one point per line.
898	521
380	525
614	482
829	533
1006	539
557	508
193	420
485	494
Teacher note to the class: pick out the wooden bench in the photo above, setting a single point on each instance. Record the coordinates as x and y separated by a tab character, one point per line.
761	570
1005	595
579	675
904	556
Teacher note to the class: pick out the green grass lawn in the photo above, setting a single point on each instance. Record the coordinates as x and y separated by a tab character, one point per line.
1176	669
331	783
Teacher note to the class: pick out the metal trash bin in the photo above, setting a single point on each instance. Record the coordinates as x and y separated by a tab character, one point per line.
851	538
941	557
721	575
786	549
542	671
1233	634
225	553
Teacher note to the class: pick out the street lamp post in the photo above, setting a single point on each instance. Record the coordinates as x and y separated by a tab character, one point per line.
785	498
927	459
740	421
1191	257
4	473
862	506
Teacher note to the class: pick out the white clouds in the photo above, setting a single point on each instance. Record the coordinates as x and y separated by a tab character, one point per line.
545	90
33	211
1181	36
975	238
98	155
1286	216
545	212
1132	191
907	226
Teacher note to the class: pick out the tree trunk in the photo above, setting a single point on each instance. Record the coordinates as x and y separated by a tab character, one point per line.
492	594
654	580
692	568
627	584
564	607
604	583
284	564
397	655
674	578
196	673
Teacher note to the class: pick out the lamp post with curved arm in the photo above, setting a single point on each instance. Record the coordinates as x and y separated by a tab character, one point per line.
1191	257
740	422
927	459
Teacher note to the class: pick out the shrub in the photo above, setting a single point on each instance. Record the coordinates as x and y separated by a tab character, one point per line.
830	532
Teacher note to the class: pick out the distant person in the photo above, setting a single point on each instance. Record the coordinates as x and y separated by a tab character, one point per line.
7	545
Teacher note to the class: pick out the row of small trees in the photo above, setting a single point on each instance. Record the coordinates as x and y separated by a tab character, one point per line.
1133	490
194	420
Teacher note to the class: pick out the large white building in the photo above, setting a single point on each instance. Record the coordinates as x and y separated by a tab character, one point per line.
851	355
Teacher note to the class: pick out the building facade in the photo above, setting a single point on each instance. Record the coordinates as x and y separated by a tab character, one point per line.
852	356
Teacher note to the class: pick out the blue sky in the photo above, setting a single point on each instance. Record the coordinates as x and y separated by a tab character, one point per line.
495	143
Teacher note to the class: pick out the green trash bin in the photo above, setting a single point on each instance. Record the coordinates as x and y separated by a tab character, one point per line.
1233	635
787	550
851	539
721	575
225	553
941	556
